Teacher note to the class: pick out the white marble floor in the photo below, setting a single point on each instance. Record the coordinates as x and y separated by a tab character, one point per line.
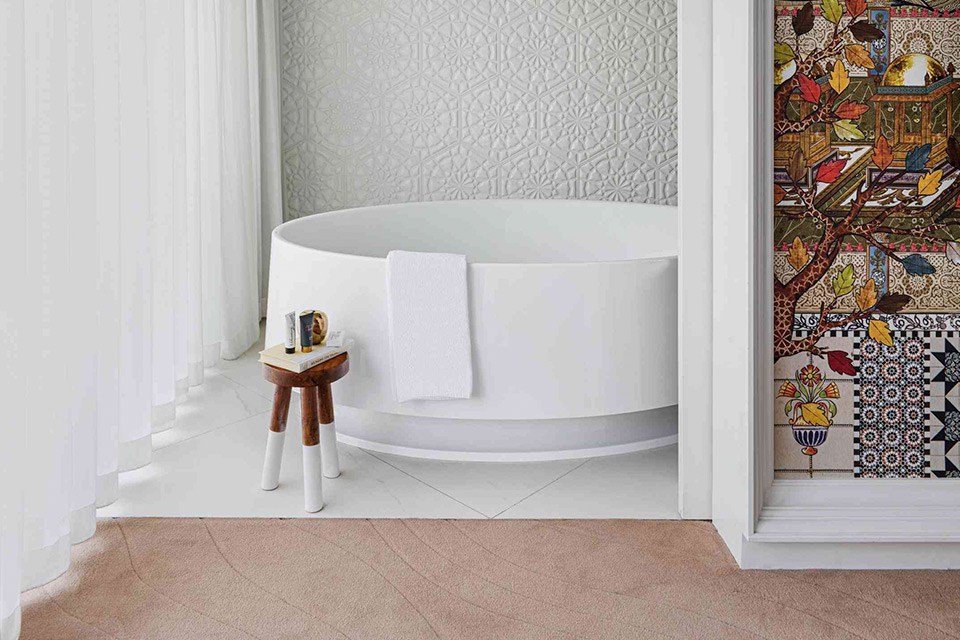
209	463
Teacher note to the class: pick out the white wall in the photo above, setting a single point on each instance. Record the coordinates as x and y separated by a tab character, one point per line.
397	101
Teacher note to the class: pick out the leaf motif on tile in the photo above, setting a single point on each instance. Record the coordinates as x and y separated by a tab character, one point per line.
867	296
847	130
809	89
843	281
850	110
858	55
803	21
865	32
929	184
814	414
856	7
797	256
783	53
832	10
839	78
918	157
917	265
882	153
829	171
840	362
892	303
880	331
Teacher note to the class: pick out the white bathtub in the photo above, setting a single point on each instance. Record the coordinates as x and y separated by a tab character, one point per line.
573	311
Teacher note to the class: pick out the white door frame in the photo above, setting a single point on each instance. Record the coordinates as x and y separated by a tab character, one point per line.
767	523
694	173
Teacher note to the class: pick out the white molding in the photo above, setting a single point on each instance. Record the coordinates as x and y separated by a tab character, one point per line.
851	555
763	257
849	510
695	186
492	456
737	167
851	493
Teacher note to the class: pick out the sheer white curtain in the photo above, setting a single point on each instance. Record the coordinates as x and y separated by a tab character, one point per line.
139	176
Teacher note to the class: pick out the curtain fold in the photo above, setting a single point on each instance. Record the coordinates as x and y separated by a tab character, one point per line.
139	184
13	258
271	179
106	158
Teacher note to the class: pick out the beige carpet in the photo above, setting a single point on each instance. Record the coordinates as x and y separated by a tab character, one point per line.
378	579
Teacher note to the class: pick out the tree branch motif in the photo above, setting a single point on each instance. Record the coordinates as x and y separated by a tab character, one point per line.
782	125
833	238
838	49
836	230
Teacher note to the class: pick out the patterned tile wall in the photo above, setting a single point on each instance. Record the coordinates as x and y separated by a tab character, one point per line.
405	100
867	330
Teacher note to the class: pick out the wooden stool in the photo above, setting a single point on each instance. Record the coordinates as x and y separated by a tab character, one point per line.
319	439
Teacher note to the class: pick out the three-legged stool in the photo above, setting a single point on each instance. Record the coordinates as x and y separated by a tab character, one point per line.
319	431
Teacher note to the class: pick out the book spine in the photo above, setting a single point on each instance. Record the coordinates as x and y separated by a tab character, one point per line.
312	362
276	362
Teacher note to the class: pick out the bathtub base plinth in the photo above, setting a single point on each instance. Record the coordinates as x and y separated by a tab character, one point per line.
507	440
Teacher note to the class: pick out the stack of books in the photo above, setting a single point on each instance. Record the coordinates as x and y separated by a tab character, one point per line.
299	362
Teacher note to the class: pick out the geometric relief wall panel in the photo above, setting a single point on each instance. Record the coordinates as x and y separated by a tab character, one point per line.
405	100
866	193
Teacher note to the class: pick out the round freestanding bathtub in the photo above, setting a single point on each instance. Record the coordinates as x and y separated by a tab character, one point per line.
573	312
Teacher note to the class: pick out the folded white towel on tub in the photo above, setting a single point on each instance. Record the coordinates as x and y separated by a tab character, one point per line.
429	320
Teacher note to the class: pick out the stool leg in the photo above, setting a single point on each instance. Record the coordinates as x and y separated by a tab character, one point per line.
275	436
328	433
312	475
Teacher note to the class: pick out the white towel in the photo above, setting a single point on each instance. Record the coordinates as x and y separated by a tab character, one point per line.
429	320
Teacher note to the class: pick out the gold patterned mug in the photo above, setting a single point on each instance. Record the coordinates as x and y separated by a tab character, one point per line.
320	327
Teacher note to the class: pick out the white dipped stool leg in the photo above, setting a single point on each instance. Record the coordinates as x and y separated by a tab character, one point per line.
312	471
271	461
275	437
312	479
328	432
328	448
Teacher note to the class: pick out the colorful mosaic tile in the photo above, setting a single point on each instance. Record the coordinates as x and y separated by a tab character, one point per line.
943	423
866	339
890	412
945	441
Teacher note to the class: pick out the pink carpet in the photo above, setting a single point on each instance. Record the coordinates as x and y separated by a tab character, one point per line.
169	579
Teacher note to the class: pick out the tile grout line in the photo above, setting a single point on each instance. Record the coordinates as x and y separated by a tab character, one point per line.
371	454
216	372
579	466
214	430
248	388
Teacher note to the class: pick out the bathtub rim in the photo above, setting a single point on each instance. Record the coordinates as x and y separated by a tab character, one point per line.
277	237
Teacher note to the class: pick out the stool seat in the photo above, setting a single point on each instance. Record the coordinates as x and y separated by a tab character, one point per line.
324	373
319	434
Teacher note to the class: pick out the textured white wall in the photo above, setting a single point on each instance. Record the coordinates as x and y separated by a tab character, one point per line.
405	100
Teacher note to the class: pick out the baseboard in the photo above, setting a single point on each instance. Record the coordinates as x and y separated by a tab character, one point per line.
850	555
857	524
